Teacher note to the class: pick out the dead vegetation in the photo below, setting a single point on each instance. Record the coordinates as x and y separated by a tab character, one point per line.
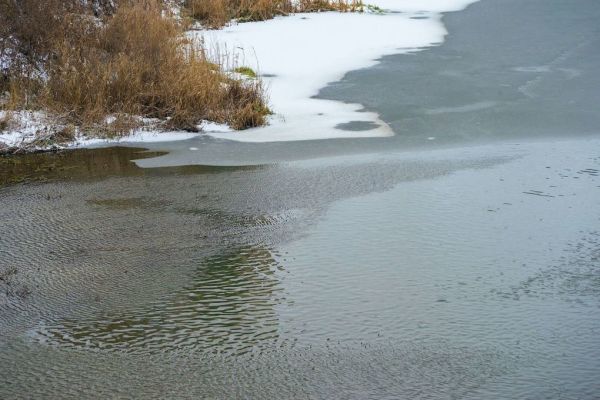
217	13
107	67
135	62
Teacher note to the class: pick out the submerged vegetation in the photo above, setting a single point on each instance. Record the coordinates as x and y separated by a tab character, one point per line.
104	70
217	13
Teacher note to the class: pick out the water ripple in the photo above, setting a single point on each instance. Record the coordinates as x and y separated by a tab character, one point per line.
228	306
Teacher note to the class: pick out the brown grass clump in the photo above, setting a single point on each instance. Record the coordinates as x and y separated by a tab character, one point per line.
330	5
136	62
212	13
217	13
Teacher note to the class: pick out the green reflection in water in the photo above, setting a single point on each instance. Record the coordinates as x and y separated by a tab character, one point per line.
91	164
228	307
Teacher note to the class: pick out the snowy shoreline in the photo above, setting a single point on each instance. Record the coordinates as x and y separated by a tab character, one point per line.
29	134
297	56
300	54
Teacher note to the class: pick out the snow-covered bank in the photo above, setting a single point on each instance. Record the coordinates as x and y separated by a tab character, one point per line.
297	56
145	135
300	54
35	131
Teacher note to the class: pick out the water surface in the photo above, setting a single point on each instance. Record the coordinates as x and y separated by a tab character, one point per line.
458	259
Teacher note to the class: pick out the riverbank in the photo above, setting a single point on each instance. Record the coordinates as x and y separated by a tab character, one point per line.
114	75
36	133
295	56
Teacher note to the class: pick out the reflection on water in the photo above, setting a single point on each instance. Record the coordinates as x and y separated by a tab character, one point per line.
89	164
81	164
228	306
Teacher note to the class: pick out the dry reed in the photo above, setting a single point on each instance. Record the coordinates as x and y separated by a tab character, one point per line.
217	13
135	62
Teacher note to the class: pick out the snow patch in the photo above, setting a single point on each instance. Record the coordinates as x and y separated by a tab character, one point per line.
22	127
149	135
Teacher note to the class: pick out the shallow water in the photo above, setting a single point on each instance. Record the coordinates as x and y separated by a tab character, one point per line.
359	270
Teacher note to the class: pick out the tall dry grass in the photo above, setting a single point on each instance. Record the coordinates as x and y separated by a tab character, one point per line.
135	62
217	13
